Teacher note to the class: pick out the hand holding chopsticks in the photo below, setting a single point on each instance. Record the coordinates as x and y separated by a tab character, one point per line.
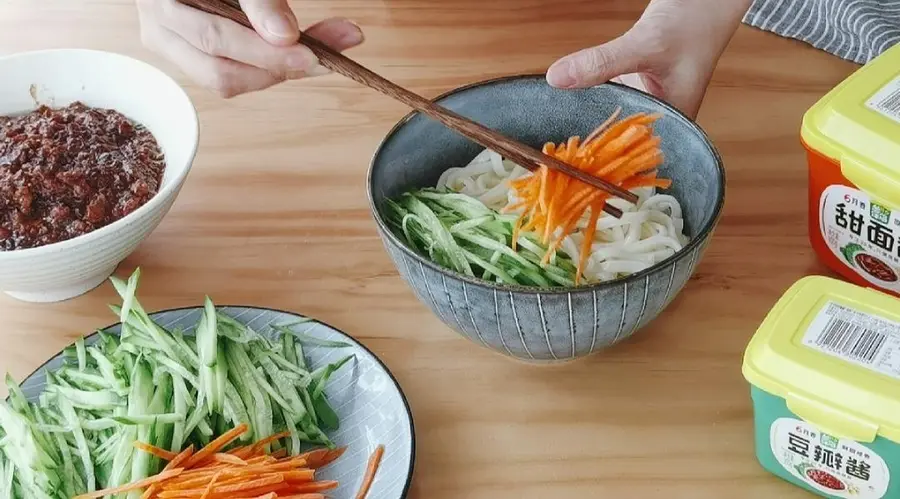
519	153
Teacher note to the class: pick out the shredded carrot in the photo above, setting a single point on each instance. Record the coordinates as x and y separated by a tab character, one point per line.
321	457
180	458
299	475
217	445
245	472
229	459
209	487
625	153
156	451
140	484
216	490
261	459
603	126
174	463
371	469
258	446
242	452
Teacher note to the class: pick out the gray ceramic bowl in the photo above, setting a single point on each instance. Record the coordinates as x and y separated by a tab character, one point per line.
528	323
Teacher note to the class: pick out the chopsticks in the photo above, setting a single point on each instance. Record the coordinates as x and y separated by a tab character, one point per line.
517	152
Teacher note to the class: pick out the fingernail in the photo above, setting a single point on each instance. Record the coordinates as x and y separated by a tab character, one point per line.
318	70
280	25
561	74
301	60
353	37
315	70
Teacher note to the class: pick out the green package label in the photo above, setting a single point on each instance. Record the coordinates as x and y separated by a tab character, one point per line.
833	466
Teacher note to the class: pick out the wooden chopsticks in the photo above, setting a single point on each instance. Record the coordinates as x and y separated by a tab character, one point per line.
515	151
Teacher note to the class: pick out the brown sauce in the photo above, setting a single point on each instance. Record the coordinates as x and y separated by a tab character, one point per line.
69	171
876	267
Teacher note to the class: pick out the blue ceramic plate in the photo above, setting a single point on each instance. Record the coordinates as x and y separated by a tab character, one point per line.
371	407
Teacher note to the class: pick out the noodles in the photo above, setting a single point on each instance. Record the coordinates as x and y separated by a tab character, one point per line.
565	217
646	234
485	178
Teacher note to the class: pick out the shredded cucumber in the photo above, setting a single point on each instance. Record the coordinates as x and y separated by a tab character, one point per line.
305	338
161	388
460	233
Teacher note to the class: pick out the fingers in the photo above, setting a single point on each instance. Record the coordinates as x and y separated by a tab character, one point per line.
230	58
596	65
225	77
273	20
642	59
685	88
338	33
221	37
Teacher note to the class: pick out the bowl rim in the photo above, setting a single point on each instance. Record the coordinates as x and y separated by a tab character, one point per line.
409	414
692	245
156	202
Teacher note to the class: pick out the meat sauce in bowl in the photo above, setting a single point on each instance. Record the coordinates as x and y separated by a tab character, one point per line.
69	171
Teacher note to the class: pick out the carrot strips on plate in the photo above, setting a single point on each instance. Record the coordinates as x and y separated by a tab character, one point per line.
248	472
625	153
216	445
154	450
371	469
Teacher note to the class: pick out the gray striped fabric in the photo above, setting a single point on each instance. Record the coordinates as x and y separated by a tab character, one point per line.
857	30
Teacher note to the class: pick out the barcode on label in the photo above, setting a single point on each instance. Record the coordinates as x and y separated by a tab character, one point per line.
868	340
851	341
891	104
887	100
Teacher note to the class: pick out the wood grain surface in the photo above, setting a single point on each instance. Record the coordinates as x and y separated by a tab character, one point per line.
275	214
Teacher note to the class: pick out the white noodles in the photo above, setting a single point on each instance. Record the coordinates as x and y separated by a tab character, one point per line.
647	233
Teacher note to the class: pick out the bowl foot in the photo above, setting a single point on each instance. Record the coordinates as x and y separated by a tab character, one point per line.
68	292
531	362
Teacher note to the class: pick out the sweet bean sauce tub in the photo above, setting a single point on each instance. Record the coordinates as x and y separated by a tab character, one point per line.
824	370
852	137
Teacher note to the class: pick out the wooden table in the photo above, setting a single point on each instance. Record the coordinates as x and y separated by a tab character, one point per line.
275	214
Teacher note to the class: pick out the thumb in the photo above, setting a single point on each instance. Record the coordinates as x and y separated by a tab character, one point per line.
273	20
596	65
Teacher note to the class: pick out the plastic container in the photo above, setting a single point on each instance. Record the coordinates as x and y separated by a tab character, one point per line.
824	370
852	137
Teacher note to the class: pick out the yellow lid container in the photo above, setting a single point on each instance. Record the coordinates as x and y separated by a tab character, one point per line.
857	125
853	140
831	350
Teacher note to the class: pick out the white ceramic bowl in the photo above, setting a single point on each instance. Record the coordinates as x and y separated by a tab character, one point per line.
99	79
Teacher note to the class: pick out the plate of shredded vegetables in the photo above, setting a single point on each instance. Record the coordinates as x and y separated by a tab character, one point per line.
207	402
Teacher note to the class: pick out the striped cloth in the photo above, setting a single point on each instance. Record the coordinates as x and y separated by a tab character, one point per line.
856	30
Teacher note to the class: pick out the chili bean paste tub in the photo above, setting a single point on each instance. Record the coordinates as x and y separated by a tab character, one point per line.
852	137
824	373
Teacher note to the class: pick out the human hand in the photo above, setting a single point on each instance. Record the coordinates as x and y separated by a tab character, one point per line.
670	52
230	59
